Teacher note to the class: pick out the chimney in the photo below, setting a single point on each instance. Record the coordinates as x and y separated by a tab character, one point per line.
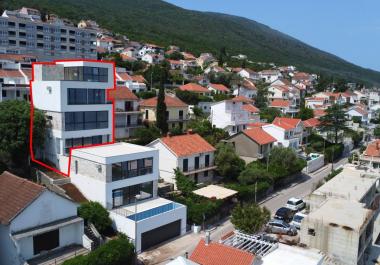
190	131
169	134
186	255
207	238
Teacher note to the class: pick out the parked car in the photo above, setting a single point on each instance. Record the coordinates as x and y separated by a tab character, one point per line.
297	218
280	227
284	214
295	204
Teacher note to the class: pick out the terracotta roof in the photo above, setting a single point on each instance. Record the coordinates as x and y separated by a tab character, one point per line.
125	57
188	56
250	108
285	81
373	149
280	103
15	195
282	88
219	87
361	111
10	73
175	62
319	113
248	85
219	254
122	92
237	69
256	124
315	99
124	76
242	99
139	79
169	101
27	72
260	136
16	57
310	123
73	192
192	87
187	144
286	123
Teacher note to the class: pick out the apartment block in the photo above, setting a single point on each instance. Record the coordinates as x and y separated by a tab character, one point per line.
73	97
23	32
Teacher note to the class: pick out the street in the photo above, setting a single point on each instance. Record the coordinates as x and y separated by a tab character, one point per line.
172	249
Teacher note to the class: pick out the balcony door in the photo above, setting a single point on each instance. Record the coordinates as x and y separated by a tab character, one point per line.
196	162
207	160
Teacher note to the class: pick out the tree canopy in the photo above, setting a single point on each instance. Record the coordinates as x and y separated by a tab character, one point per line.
249	218
161	116
228	163
334	121
95	213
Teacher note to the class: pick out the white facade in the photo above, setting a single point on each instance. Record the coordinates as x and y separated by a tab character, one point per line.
245	92
353	112
49	212
78	111
230	116
113	175
285	138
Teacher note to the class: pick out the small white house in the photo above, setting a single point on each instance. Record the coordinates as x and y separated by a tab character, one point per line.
123	178
248	73
190	153
230	115
358	112
34	221
269	76
246	89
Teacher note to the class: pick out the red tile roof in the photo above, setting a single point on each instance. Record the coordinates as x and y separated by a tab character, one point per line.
122	93
361	111
188	56
260	136
10	73
250	108
192	87
256	124
73	192
124	77
281	88
219	87
373	149
15	195
248	85
27	72
242	99
139	79
219	254
319	113
125	57
169	101
310	123
286	123
187	144
16	57
280	103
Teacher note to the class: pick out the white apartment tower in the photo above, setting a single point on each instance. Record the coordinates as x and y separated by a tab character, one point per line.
73	95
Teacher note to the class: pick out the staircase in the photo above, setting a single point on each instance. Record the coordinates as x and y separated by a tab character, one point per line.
93	235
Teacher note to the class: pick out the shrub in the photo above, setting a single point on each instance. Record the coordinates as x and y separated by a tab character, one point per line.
95	213
249	218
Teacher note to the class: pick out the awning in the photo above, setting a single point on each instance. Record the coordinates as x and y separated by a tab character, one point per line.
215	192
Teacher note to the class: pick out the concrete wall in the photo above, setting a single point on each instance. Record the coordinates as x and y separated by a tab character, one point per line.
244	146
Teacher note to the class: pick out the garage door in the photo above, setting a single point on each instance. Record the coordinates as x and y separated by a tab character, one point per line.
160	234
46	241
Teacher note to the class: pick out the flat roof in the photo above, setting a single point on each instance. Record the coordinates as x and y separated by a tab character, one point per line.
102	152
350	184
214	191
349	215
147	205
290	255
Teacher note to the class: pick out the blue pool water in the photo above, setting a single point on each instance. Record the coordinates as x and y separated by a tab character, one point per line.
154	211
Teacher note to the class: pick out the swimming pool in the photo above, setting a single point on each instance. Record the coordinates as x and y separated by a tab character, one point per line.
154	211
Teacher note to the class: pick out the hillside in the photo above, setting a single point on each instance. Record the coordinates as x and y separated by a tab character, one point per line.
162	23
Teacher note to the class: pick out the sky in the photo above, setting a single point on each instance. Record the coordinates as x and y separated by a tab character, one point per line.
349	29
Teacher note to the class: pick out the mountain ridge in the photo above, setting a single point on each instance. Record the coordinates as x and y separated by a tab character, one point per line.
164	23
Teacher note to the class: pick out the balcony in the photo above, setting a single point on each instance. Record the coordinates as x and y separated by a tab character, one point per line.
133	173
128	110
201	168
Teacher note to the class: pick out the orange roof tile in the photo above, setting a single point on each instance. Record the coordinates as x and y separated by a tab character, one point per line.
242	99
169	101
280	103
219	254
256	124
373	149
187	144
319	113
248	85
124	76
310	123
27	72
139	79
192	87
250	108
122	92
219	87
10	73
15	195
16	57
260	136
283	88
286	123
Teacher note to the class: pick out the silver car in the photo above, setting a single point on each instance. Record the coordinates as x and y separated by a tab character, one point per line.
280	227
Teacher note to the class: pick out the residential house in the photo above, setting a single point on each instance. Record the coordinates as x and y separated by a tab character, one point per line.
317	102
128	116
34	221
218	89
269	76
230	115
248	73
310	126
287	131
189	153
135	83
214	69
254	112
246	89
150	49
175	64
252	143
287	107
123	178
177	111
359	112
371	156
106	43
278	92
204	59
319	113
195	88
72	95
152	58
188	56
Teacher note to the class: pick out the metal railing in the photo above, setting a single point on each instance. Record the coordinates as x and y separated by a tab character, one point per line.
200	167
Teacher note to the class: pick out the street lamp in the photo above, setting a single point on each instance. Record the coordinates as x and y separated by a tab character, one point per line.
137	197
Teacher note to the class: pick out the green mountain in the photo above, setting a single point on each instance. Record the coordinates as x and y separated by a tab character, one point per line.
162	23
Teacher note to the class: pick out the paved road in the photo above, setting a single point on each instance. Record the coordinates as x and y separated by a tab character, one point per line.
187	243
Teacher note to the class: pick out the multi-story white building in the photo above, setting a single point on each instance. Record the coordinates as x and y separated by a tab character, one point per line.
190	153
123	178
15	73
73	97
23	32
134	83
287	131
229	115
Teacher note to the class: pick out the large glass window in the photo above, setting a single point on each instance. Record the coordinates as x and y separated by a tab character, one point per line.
133	168
86	73
128	194
86	120
82	96
82	141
